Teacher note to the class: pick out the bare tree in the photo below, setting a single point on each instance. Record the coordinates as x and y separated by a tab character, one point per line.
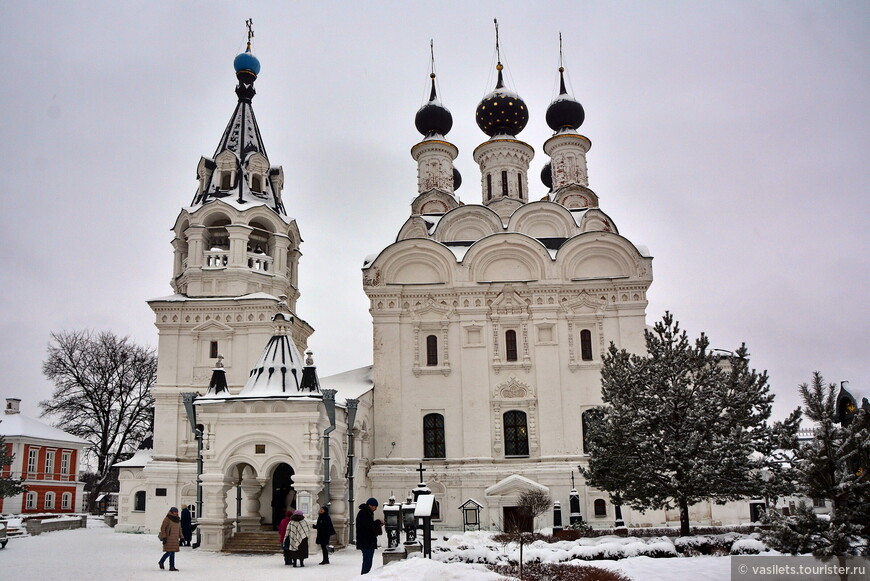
102	393
532	504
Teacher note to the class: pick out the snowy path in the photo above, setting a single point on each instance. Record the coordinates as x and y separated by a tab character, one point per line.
99	554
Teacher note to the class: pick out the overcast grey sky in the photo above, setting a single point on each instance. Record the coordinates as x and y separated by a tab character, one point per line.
728	137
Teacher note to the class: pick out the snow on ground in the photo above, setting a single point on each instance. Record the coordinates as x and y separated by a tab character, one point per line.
99	554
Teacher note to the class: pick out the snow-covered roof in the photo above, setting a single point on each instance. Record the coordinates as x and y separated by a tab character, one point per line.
278	372
351	384
139	459
182	298
18	425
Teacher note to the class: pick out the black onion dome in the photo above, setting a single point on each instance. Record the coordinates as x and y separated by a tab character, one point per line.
547	175
457	179
502	111
433	118
565	111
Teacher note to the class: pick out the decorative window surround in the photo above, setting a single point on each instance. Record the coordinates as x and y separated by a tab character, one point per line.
585	312
509	311
431	318
514	395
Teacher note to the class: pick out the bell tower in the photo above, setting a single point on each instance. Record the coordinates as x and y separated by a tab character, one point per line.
236	255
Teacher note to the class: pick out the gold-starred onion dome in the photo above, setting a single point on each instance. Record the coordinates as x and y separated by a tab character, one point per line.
502	112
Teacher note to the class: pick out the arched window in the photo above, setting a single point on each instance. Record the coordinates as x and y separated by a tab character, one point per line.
520	185
226	180
139	501
49	500
256	183
488	186
516	434
433	436
600	507
504	184
510	345
431	350
66	501
586	345
30	501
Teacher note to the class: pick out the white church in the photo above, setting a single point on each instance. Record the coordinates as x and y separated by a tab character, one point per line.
490	322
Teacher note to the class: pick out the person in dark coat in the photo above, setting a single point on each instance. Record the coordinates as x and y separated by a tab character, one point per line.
296	538
282	532
367	530
186	526
325	530
170	536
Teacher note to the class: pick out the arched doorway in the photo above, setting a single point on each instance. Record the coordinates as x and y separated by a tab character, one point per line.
283	494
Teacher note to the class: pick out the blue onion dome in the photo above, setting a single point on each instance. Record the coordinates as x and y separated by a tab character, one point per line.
433	118
502	111
247	66
547	176
565	112
457	179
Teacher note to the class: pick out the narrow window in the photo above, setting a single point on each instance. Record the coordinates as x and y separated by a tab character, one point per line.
586	419
49	500
504	184
256	183
600	507
66	501
139	501
818	503
433	436
49	465
516	434
586	345
510	345
64	463
431	351
30	503
225	180
32	455
488	186
520	185
213	350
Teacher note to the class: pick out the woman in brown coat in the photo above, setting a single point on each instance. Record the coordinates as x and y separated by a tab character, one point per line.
170	536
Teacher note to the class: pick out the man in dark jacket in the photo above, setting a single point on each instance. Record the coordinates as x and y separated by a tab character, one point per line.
367	530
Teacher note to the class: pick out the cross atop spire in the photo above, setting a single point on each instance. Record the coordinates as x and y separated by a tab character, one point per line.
250	24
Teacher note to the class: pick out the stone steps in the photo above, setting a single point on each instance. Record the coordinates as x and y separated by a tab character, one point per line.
256	543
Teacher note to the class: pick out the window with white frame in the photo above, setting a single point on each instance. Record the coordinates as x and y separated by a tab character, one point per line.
32	456
30	502
49	464
66	501
65	458
49	500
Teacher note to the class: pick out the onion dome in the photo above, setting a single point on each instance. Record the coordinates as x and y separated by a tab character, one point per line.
433	118
547	175
247	64
457	179
565	112
502	111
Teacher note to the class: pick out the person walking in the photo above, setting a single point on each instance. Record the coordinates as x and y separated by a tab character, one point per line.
296	538
325	530
368	528
170	536
282	532
186	526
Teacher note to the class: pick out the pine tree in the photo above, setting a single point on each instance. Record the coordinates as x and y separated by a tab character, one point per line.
681	425
833	466
8	486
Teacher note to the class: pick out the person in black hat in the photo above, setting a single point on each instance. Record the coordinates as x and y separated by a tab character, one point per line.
325	530
367	531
